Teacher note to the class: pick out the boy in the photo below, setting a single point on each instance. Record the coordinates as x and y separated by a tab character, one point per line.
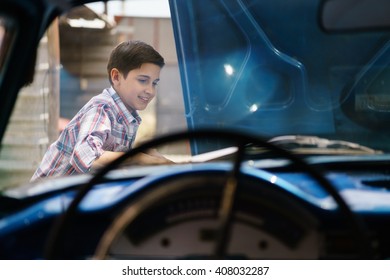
106	127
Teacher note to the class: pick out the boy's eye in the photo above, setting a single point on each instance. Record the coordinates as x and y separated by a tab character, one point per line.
143	81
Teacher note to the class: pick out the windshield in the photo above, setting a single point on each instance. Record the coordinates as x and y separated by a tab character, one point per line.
264	67
268	67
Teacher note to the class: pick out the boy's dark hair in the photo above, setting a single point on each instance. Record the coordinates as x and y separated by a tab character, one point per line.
131	55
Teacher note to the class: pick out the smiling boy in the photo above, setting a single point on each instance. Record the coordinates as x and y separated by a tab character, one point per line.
106	127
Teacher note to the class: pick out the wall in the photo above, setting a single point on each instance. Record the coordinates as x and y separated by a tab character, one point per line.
33	123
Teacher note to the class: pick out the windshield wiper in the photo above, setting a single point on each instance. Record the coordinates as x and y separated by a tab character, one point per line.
315	145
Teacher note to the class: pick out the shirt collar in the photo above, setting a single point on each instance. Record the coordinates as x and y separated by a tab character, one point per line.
130	116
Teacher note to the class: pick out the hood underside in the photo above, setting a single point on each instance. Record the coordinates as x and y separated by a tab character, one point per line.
269	67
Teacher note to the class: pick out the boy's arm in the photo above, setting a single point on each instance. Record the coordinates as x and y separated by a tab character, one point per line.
149	158
105	158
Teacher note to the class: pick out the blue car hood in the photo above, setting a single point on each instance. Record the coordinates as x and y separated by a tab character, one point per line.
269	68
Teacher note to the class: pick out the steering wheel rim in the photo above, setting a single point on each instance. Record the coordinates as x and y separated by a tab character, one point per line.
240	139
170	218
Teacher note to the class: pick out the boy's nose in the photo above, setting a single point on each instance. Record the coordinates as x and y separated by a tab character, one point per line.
150	89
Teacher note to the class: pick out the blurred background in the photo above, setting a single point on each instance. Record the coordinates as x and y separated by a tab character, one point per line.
71	68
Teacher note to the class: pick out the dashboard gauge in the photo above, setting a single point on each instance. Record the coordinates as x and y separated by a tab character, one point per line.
179	218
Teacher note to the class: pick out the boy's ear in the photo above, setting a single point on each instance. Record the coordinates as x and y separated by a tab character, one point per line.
114	74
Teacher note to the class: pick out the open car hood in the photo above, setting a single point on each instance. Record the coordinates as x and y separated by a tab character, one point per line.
248	66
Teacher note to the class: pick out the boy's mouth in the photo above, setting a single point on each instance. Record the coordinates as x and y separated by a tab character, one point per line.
144	99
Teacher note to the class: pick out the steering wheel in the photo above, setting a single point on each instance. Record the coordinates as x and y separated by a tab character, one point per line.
228	182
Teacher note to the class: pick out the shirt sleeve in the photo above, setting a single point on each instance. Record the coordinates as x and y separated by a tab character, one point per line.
95	127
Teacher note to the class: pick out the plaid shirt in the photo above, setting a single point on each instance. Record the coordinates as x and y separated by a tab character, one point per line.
103	124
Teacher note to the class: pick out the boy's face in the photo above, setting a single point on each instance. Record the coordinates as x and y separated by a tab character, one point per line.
139	87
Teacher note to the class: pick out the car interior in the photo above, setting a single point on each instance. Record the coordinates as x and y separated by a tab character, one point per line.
275	115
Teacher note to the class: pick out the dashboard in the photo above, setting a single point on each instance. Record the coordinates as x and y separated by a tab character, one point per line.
181	213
